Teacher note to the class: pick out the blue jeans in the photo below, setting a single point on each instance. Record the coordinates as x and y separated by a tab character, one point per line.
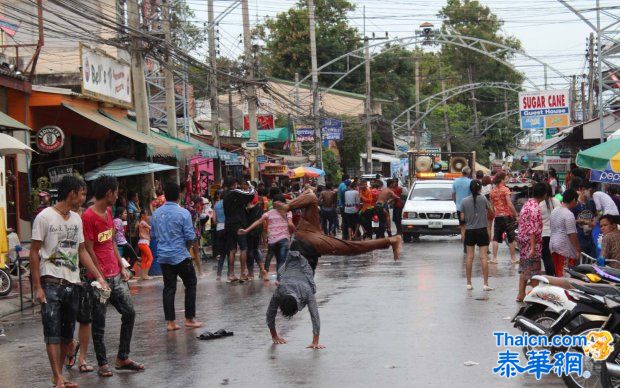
280	250
123	303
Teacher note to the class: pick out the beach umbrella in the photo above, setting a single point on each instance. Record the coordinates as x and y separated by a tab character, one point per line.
10	145
601	157
306	172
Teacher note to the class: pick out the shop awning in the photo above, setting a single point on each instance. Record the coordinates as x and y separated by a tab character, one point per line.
126	167
549	143
9	122
210	152
269	135
383	158
126	128
181	148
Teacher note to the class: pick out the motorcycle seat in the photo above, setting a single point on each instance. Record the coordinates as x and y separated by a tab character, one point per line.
597	289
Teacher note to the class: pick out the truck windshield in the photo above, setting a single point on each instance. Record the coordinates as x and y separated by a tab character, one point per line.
431	194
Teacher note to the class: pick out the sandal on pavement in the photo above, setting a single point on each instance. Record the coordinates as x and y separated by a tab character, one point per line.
224	333
207	335
73	357
132	365
104	371
85	368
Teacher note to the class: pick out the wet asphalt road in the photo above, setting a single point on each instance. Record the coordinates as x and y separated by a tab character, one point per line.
385	324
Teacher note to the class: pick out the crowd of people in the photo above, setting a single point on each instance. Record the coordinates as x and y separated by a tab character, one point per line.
83	254
555	225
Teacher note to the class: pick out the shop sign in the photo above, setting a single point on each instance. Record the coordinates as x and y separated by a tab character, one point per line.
606	176
544	109
105	77
50	138
250	145
261	159
275	169
331	129
303	134
59	172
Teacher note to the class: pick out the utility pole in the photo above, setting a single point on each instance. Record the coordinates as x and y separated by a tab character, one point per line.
171	110
141	105
315	88
583	99
473	101
137	71
591	76
368	109
573	99
215	111
416	133
231	122
599	60
445	115
250	90
298	150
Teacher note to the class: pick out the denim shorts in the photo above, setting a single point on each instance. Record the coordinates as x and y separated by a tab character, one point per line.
59	313
85	303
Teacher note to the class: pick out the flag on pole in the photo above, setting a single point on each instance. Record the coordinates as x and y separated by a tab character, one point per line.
9	28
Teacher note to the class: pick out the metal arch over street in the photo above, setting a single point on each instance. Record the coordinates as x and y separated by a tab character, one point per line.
439	98
491	49
489	122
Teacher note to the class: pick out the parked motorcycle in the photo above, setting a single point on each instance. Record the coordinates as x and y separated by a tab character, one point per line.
588	300
6	281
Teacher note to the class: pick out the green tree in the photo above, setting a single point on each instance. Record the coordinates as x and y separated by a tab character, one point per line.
471	18
185	34
352	144
287	41
332	169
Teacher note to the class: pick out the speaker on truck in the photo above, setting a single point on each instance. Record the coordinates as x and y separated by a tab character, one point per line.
457	163
424	164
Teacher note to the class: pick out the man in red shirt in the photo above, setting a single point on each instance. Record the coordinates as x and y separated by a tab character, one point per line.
98	236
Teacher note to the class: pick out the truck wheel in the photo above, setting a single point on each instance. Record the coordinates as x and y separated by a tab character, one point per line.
407	237
415	236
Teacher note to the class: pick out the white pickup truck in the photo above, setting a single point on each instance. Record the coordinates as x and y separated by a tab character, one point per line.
430	210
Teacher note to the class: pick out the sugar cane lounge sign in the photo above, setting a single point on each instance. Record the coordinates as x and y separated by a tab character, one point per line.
50	139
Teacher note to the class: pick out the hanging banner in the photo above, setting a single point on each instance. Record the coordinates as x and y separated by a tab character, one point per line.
606	176
544	109
331	129
262	121
59	172
105	78
303	134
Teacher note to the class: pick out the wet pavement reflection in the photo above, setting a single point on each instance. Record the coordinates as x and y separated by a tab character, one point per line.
385	323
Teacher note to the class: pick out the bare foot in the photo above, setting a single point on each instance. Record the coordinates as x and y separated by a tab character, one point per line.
264	275
172	326
218	279
396	243
192	323
146	278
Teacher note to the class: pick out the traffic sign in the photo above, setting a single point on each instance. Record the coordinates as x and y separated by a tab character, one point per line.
261	159
250	145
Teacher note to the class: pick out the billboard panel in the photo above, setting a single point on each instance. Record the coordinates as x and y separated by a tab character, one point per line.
544	109
105	78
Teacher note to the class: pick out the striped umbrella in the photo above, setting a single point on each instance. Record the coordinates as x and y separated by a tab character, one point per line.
307	172
601	157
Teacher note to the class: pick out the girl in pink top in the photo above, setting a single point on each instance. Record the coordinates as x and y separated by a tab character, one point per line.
279	229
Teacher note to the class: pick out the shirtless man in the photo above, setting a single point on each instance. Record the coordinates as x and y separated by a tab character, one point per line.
309	233
386	196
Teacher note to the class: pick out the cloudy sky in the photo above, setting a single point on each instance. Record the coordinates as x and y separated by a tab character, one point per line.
547	30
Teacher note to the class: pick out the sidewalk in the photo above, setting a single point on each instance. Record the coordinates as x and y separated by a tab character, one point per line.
10	303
